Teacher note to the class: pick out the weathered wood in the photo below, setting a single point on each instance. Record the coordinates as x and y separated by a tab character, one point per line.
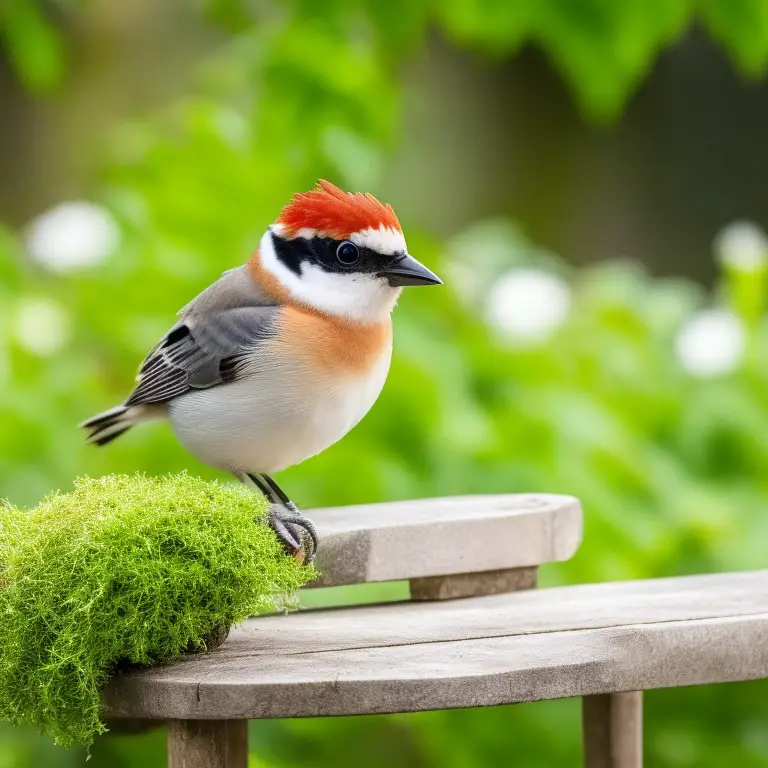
473	584
438	537
207	744
459	674
559	609
613	730
524	646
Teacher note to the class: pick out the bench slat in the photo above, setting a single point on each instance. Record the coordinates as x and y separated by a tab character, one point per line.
445	536
523	646
555	609
472	673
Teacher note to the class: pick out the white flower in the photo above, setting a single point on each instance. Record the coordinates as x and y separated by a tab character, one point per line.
711	343
479	253
72	236
528	305
41	326
742	245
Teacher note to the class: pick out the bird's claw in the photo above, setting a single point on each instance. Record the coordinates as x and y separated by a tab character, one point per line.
295	532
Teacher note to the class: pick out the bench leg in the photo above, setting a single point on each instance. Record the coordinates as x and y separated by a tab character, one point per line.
613	730
207	743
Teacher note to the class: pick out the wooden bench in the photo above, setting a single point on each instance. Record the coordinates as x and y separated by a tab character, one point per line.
473	634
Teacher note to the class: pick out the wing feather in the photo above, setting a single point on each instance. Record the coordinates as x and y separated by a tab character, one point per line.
201	352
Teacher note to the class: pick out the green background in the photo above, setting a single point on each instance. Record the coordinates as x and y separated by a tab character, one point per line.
670	467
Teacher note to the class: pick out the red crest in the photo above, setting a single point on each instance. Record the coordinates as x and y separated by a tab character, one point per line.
335	213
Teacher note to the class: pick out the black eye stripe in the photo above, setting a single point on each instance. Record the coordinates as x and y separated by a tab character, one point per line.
296	252
290	252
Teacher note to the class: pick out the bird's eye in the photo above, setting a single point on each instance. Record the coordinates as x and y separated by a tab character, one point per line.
347	254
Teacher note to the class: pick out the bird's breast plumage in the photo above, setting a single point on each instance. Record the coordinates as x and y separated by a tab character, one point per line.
331	345
299	392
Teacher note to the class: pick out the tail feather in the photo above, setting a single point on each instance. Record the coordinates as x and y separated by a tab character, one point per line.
109	425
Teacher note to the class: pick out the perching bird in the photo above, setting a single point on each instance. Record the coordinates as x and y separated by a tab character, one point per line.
282	356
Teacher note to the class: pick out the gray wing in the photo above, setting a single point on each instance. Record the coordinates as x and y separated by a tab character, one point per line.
209	343
198	353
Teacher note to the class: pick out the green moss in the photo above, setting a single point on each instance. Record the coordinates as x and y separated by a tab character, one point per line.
124	568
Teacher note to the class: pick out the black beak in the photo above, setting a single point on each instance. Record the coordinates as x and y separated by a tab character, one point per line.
408	271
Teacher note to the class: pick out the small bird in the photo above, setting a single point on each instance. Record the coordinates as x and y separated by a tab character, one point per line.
282	356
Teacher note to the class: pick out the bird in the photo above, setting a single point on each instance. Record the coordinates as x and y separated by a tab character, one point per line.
283	355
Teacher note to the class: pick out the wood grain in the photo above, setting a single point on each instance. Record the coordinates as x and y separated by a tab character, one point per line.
524	646
207	744
613	730
438	537
557	609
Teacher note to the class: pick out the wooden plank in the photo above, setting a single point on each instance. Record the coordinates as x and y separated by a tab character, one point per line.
207	744
584	606
470	673
473	584
613	730
574	641
437	537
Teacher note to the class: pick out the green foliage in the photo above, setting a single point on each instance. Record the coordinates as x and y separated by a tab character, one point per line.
741	26
35	47
124	569
602	48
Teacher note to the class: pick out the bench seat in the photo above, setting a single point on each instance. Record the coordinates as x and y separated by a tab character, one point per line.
499	649
474	633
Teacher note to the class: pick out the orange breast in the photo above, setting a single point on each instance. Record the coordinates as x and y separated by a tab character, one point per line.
332	344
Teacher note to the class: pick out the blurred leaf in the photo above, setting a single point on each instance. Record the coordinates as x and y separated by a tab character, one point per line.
604	48
498	26
742	28
35	47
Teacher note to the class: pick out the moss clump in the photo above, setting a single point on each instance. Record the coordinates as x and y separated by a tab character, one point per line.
124	569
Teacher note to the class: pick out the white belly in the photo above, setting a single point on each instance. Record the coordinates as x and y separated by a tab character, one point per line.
269	421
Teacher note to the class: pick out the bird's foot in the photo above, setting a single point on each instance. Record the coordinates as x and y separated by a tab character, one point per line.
296	533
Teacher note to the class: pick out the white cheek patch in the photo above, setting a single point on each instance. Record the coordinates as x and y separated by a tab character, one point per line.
365	298
384	240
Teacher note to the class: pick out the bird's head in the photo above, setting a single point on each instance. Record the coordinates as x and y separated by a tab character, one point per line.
340	253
